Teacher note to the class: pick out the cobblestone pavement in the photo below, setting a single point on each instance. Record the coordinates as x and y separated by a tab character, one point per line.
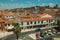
57	37
23	37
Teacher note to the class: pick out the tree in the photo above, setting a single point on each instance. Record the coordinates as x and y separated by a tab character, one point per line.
56	6
17	29
58	23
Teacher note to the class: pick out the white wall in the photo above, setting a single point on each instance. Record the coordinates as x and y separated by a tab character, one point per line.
10	27
44	22
25	24
9	17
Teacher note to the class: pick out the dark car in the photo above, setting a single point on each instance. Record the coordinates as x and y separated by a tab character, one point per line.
53	31
57	29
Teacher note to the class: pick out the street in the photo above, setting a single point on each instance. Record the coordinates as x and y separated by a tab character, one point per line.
25	36
22	36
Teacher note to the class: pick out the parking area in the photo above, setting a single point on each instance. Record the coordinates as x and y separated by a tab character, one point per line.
48	35
56	38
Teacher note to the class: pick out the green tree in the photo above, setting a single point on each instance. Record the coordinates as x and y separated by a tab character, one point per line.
58	23
17	30
56	6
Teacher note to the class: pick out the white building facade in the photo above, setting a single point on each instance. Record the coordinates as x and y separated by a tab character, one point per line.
38	23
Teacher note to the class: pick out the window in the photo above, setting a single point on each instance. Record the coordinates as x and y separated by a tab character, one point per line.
35	22
8	24
38	21
0	24
42	21
31	22
9	16
5	24
21	23
0	28
27	23
49	21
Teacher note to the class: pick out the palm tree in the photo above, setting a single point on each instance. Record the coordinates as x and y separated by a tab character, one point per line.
17	30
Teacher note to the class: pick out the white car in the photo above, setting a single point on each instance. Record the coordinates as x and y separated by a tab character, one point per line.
49	32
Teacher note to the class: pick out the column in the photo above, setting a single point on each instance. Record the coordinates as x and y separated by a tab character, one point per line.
48	23
52	24
24	28
3	27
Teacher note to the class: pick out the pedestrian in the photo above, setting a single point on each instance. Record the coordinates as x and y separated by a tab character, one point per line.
37	36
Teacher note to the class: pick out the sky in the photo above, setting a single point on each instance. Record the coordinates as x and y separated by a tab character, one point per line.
10	4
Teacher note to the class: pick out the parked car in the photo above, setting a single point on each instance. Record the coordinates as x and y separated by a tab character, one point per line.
53	31
49	32
38	30
9	30
57	29
42	34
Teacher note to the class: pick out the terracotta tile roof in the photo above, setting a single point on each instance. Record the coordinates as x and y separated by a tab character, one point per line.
9	21
35	17
7	14
28	17
2	20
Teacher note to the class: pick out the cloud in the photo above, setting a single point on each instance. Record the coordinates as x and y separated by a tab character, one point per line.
11	0
51	4
42	4
12	5
1	4
31	4
38	0
8	6
4	4
28	1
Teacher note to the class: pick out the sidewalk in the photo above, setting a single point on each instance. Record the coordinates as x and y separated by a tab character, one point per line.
56	38
3	34
33	36
26	30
